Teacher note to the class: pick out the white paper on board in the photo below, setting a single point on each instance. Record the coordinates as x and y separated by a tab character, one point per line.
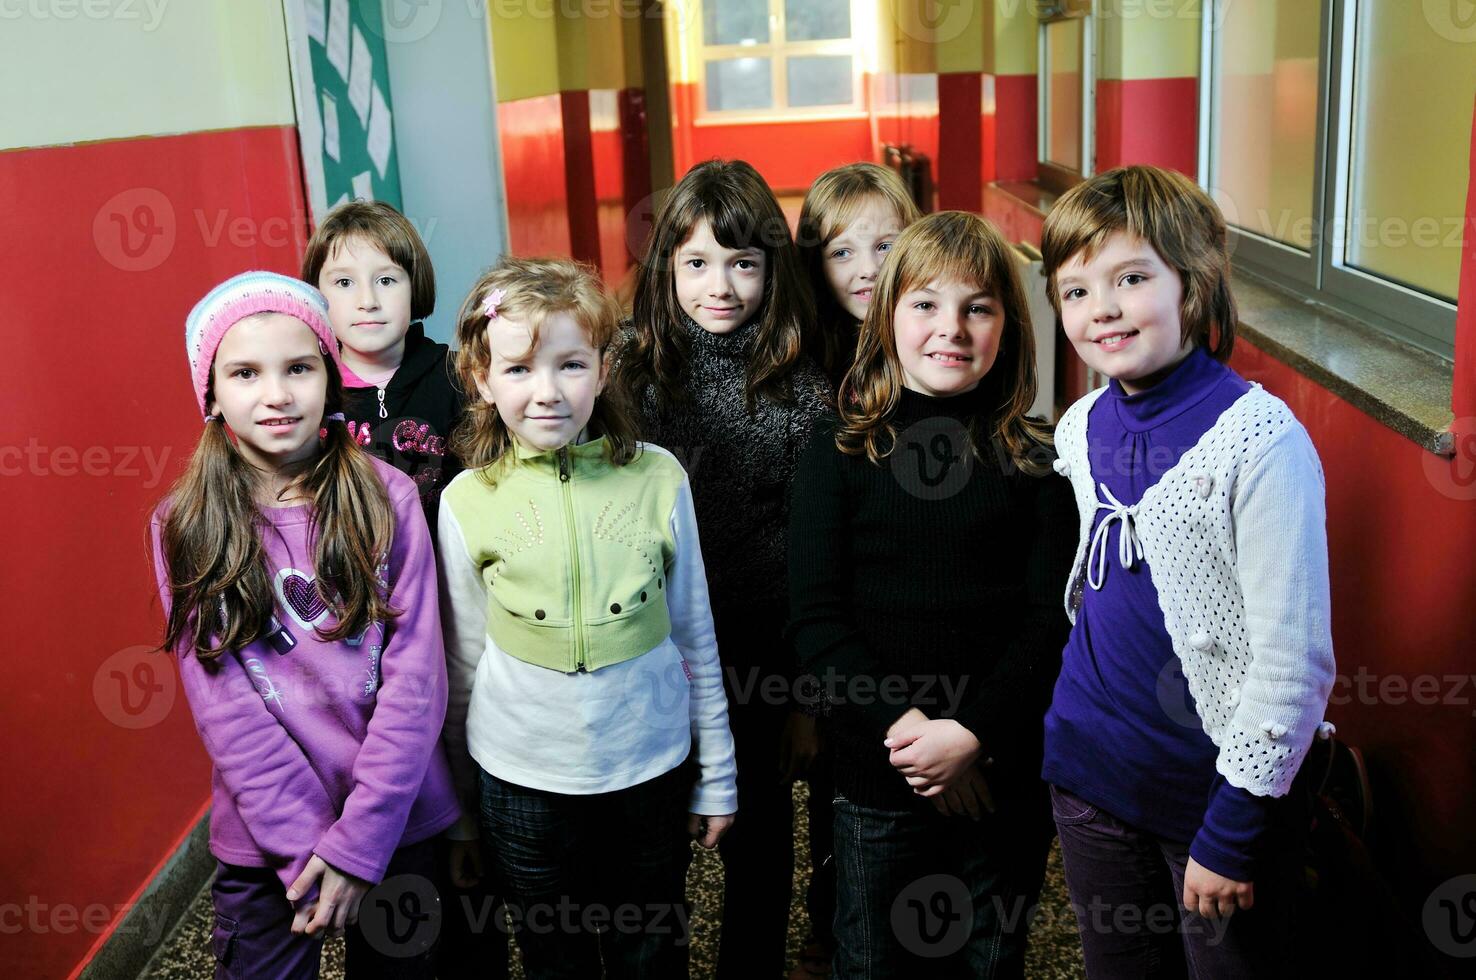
338	37
330	126
361	77
317	20
381	135
364	186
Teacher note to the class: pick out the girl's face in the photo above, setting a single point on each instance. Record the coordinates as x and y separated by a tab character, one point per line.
368	300
269	382
1120	310
948	334
853	257
720	288
545	394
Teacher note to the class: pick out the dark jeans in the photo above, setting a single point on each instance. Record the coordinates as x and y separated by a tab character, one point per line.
473	942
592	877
919	894
394	938
1127	889
758	850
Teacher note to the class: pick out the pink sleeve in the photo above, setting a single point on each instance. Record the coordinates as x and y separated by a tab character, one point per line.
280	798
409	709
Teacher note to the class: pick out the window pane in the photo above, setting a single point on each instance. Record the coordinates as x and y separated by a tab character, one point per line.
816	20
739	83
735	21
1410	148
1063	93
1264	127
821	80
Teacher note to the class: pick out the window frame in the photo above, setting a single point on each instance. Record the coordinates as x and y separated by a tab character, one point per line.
1322	273
779	53
1054	176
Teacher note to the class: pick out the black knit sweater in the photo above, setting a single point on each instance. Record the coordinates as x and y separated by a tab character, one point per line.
934	580
740	465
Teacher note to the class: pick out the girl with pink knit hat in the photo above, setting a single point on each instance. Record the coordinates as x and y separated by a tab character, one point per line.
299	590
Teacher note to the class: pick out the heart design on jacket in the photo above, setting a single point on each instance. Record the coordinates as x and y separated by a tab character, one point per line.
299	596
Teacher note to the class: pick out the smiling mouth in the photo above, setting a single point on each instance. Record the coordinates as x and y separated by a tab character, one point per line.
946	357
280	423
862	294
1114	341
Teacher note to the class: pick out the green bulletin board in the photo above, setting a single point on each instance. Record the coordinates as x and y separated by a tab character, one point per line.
341	86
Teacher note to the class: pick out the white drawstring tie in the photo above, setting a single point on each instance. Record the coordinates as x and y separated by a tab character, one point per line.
1128	544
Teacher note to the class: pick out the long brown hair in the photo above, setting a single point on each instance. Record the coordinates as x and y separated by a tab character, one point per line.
532	291
742	213
831	204
1168	211
965	247
221	593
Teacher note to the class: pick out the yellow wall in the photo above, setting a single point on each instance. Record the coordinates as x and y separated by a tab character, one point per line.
1010	39
1148	38
170	68
525	49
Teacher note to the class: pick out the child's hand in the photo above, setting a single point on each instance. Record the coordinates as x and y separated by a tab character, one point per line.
1213	895
338	898
708	830
933	755
798	747
466	863
968	797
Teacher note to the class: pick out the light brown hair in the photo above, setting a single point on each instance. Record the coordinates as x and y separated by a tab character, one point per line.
831	204
1171	213
221	592
742	213
958	246
381	225
533	290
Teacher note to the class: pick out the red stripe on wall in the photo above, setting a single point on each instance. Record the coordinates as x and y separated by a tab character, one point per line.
1148	121
109	245
579	178
533	173
960	103
1464	394
636	167
1016	145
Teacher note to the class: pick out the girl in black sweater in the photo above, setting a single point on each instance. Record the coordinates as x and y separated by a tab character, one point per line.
929	543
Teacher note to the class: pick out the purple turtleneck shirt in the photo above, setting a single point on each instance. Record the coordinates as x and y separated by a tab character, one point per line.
1122	731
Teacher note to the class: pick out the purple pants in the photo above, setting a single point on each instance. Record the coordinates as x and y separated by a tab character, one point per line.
399	921
1127	887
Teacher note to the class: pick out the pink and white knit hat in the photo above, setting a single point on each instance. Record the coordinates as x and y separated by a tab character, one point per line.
239	297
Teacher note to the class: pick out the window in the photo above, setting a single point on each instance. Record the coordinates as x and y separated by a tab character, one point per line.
759	56
1066	94
1340	163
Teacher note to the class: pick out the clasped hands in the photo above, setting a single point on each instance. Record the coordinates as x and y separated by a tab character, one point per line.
938	758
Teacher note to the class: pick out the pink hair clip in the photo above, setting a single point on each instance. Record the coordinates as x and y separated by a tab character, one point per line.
489	308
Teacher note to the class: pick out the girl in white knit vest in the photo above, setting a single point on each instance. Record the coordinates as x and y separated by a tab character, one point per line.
1200	658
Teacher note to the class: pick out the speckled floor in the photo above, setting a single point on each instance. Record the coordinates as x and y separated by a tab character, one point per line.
1055	952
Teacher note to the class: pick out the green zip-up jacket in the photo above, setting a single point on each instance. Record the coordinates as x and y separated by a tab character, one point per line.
573	552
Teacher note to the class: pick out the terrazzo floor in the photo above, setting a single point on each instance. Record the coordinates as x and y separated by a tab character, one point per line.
1055	951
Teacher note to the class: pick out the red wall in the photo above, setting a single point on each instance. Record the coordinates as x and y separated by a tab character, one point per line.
107	771
532	132
1149	121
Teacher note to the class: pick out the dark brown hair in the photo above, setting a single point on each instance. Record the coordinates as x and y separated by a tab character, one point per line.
221	593
381	225
742	213
1168	211
533	290
830	206
945	245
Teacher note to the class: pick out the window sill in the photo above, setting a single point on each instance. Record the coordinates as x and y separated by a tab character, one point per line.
1405	388
769	119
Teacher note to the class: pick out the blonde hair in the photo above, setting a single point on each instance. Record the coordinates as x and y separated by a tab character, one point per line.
833	201
964	247
533	290
1168	211
384	227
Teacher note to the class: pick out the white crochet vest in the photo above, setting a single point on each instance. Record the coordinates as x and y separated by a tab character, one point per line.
1261	704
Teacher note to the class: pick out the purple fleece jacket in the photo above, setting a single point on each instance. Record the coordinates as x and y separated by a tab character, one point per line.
327	748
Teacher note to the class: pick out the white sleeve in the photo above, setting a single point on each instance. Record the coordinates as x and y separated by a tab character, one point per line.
464	625
716	792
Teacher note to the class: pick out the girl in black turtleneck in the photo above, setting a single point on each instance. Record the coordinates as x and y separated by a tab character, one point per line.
929	545
714	364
